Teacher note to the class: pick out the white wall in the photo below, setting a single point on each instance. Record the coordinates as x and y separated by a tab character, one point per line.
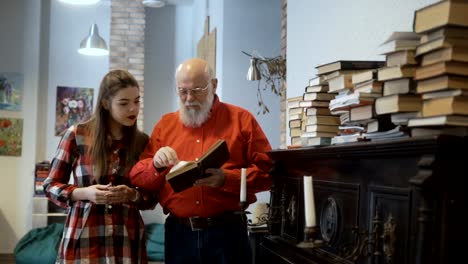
11	61
323	31
69	24
248	26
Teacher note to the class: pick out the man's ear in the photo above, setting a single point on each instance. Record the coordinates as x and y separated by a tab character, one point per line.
214	82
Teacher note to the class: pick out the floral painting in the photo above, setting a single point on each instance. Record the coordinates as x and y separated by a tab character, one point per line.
73	105
11	133
11	89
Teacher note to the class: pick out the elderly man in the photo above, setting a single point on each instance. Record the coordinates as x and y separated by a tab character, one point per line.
202	226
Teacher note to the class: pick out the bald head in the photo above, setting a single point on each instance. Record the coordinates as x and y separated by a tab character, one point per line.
194	70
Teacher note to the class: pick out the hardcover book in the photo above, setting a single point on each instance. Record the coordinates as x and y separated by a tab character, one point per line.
397	103
441	68
442	120
183	175
441	83
348	65
442	13
445	32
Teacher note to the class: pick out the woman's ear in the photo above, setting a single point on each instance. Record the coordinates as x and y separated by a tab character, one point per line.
105	104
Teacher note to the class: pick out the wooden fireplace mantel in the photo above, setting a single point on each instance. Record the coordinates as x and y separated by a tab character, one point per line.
396	201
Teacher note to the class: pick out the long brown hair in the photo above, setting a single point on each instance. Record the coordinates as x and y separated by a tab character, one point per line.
98	126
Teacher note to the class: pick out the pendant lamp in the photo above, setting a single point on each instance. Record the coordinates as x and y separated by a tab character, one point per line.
253	74
154	3
93	44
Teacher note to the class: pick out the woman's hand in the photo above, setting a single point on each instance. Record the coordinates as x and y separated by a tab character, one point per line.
121	194
94	193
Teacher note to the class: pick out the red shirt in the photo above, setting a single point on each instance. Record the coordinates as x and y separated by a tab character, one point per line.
247	145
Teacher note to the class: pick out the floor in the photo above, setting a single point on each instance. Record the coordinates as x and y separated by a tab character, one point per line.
7	259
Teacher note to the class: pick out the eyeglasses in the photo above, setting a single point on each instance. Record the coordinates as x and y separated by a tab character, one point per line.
194	92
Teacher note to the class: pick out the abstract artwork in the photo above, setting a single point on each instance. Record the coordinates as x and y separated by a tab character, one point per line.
11	134
73	105
11	89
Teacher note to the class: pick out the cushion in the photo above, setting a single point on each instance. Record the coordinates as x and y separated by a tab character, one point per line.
40	245
155	241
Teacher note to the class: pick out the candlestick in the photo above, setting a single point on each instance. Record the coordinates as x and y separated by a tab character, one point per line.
243	186
309	203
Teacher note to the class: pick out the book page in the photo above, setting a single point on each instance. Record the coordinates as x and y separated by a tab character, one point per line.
179	165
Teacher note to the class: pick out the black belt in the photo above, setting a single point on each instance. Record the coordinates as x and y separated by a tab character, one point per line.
200	223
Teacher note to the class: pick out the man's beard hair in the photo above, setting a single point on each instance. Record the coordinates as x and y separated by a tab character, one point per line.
196	117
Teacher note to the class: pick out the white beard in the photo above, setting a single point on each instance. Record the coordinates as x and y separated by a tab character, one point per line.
196	117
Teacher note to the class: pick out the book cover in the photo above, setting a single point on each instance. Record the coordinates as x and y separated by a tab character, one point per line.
185	173
446	54
396	72
397	103
456	105
348	65
445	32
401	58
443	13
441	83
399	86
441	68
364	76
440	43
442	120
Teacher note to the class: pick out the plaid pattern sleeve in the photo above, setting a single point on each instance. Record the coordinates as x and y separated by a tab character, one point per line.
56	186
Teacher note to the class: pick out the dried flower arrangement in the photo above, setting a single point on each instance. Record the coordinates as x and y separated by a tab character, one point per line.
273	72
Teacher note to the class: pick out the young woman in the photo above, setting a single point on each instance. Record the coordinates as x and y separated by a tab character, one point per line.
104	224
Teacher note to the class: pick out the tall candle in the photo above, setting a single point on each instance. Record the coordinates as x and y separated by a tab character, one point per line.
309	203
243	186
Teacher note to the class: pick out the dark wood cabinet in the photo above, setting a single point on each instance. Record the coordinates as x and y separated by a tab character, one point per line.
397	201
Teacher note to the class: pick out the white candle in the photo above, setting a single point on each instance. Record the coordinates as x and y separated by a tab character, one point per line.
243	186
309	203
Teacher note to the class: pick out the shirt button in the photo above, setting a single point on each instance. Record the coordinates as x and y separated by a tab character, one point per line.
110	206
198	141
197	202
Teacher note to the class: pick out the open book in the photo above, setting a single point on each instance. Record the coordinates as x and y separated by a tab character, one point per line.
185	173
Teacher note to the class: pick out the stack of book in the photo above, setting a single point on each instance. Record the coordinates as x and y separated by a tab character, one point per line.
356	87
295	112
41	172
316	125
442	78
399	99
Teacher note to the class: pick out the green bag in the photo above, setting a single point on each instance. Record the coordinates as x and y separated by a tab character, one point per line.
39	245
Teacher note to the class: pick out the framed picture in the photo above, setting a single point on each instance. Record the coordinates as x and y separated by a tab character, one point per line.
11	90
73	105
11	135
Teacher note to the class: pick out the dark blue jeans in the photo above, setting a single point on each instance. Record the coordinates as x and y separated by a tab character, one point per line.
216	244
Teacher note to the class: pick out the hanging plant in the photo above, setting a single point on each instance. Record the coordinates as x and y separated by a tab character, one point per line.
270	74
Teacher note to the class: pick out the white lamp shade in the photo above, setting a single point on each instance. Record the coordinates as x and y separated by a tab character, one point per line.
253	73
80	2
93	44
154	3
